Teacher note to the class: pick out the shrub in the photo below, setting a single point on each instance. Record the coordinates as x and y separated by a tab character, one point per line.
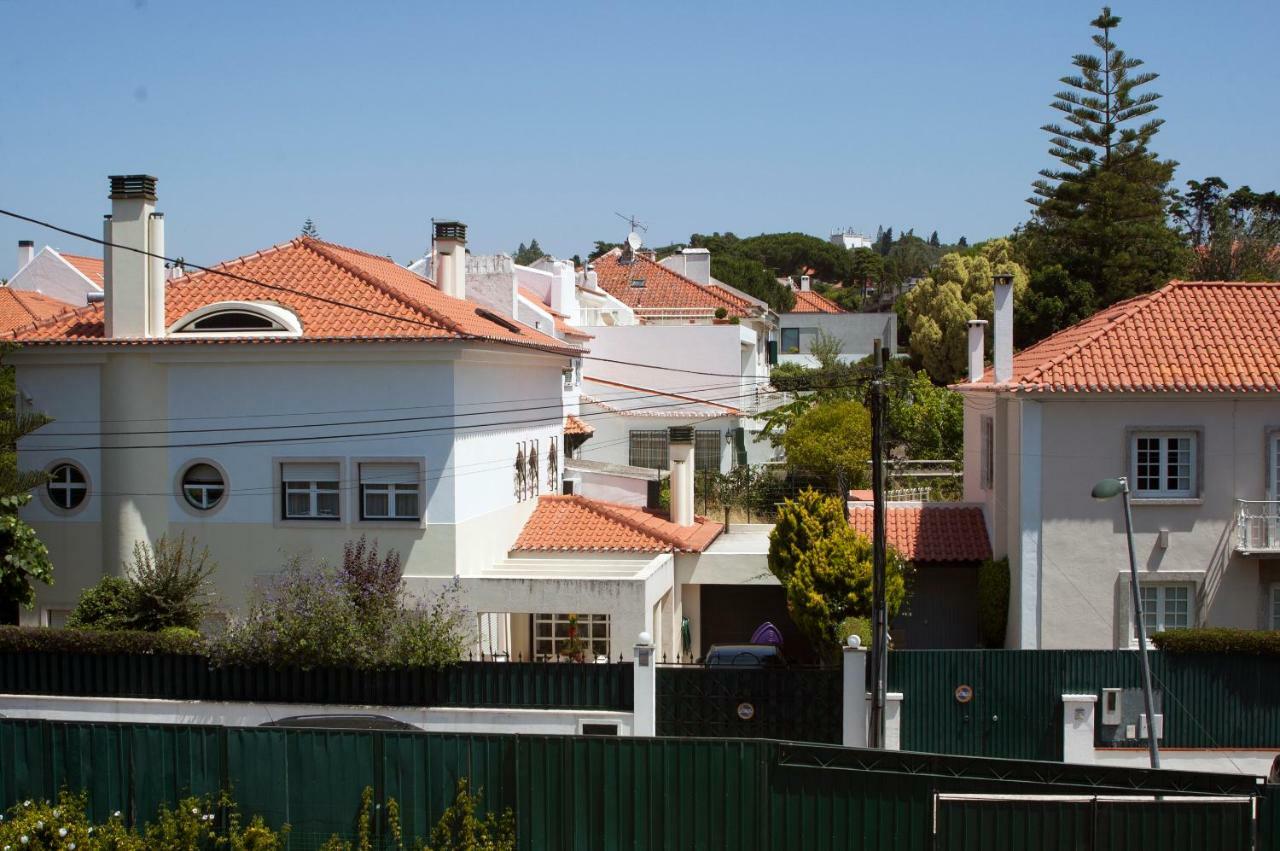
208	822
459	828
358	615
103	606
721	312
168	586
993	602
1245	642
23	639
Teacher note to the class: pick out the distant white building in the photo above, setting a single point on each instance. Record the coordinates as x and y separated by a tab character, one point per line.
850	239
814	315
69	278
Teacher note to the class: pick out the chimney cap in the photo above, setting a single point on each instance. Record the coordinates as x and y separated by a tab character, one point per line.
680	434
450	230
973	323
125	187
26	243
1004	278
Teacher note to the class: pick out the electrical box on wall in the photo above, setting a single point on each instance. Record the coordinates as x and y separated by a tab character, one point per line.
1112	703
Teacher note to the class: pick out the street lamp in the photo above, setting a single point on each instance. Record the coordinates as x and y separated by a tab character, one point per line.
1107	489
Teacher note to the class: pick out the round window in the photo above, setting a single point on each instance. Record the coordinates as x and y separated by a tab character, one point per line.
67	486
203	486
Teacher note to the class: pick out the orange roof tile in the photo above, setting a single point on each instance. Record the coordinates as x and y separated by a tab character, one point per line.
1189	336
579	524
19	308
929	532
663	287
90	267
337	293
575	425
807	301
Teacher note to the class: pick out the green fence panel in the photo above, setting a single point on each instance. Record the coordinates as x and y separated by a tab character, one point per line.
168	764
1173	825
97	759
803	704
1010	825
23	769
256	762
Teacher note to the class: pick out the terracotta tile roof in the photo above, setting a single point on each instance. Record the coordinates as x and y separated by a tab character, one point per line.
1189	336
90	267
575	425
20	308
663	287
569	330
807	301
338	294
579	524
650	398
929	532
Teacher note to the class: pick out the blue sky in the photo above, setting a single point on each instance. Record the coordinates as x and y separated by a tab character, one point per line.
529	119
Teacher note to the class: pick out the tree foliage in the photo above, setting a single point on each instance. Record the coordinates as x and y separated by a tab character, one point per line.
1234	235
825	569
752	278
959	289
24	560
309	229
922	419
526	254
166	586
831	440
1102	215
1053	300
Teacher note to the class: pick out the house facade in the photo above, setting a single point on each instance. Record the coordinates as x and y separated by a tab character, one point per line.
1178	391
280	404
815	315
71	278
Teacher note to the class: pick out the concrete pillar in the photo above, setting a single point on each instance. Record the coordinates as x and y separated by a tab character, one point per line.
1079	712
645	669
136	485
893	721
680	440
977	348
26	252
1004	328
854	698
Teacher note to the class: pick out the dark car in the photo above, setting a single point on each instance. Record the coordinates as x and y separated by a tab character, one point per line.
745	656
342	722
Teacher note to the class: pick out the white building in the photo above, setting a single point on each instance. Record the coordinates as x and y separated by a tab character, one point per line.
1179	392
849	239
70	278
815	315
282	404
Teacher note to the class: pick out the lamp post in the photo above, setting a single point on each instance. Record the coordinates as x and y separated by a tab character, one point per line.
1107	489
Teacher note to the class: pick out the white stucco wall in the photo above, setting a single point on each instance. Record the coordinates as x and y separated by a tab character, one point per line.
665	353
49	274
1073	548
856	332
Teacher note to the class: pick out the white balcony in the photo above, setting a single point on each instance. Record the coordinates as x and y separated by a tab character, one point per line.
1258	526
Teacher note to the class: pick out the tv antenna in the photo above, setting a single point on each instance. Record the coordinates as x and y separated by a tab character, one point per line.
633	222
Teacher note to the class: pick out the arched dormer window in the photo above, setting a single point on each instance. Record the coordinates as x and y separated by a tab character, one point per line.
239	318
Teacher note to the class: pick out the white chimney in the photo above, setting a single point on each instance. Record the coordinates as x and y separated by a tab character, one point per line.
592	279
977	346
697	265
804	283
450	240
26	251
134	282
680	439
1004	327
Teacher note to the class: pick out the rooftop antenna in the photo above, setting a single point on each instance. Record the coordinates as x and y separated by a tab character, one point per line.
634	222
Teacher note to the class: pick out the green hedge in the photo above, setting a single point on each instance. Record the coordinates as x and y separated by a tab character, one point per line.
1249	642
993	602
17	639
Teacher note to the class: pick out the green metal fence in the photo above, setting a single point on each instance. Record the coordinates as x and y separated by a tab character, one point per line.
799	704
582	792
176	677
1209	701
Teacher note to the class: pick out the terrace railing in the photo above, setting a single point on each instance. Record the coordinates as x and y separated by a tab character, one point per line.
1258	526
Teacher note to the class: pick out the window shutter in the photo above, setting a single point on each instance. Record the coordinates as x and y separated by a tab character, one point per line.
308	472
389	474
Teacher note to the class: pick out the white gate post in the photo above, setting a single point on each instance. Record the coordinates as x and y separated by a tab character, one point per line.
645	717
854	695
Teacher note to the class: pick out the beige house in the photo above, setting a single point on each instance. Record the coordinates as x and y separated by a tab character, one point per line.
1179	392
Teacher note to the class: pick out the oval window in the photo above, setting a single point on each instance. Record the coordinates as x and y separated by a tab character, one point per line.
67	486
203	486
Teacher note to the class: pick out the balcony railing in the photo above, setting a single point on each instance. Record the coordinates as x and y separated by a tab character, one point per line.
1258	525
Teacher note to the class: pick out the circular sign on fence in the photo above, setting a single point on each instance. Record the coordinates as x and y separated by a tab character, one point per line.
964	693
746	711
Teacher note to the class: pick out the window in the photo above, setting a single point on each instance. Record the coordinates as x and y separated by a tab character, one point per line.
1164	465
232	320
1165	607
637	282
707	448
988	453
389	492
791	341
567	375
203	486
1275	465
1274	613
551	632
57	618
649	449
310	490
67	487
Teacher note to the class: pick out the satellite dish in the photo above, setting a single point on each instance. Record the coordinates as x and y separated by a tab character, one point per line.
633	241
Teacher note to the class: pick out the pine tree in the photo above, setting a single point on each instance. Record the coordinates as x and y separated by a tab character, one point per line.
964	242
309	229
886	241
933	240
1102	215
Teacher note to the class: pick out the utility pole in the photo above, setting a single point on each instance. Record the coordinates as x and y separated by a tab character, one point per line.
879	621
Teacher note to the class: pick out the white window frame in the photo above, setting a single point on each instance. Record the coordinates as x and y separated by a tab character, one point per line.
312	488
53	485
544	648
1158	614
1164	436
203	506
392	490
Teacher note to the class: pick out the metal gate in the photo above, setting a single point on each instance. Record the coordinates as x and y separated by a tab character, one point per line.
962	822
794	704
